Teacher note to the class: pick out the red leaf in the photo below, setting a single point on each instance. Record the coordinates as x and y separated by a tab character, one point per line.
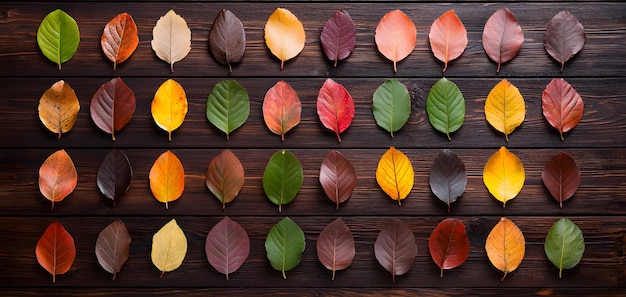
55	250
337	177
335	107
338	36
335	246
227	246
112	106
57	177
502	36
448	244
561	176
395	248
281	108
448	37
562	105
564	37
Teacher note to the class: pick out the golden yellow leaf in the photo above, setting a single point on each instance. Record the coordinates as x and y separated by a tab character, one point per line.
395	174
505	246
169	247
169	106
504	175
167	178
284	35
58	108
505	108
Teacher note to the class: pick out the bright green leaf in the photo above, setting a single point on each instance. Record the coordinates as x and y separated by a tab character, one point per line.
282	178
564	245
228	106
391	105
58	37
446	107
284	245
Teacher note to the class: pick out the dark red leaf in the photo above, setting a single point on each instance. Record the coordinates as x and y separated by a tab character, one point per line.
395	248
337	177
338	36
502	36
562	105
227	39
335	107
227	246
448	244
448	177
335	246
561	176
112	106
55	250
114	175
564	37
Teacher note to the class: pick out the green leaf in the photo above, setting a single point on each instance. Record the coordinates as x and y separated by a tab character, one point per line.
58	37
284	245
446	107
228	106
391	105
564	245
282	178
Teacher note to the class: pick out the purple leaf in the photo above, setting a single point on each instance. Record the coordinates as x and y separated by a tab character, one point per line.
227	246
338	36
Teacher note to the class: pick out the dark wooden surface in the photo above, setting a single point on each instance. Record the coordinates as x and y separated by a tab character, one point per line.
598	145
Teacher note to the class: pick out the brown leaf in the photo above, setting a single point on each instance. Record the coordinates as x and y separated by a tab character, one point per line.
114	175
337	177
448	177
564	37
227	39
561	176
112	247
225	176
57	177
335	246
395	248
58	108
112	106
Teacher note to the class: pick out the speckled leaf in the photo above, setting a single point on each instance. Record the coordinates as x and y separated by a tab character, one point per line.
58	108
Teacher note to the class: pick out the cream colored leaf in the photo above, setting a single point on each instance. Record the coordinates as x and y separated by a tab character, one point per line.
171	38
169	247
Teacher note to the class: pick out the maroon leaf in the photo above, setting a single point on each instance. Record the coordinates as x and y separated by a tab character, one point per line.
395	248
112	247
227	39
448	177
112	106
564	37
502	36
338	36
337	177
225	176
335	246
227	246
561	176
562	105
448	244
114	175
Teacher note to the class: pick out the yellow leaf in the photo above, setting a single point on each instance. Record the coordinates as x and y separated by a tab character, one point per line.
505	108
169	106
169	247
504	175
167	178
395	174
284	35
58	108
505	246
171	38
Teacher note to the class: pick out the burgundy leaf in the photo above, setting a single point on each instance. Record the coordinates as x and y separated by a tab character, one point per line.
395	248
335	246
227	246
112	247
561	176
564	37
112	106
448	244
502	36
562	105
338	36
337	177
448	177
114	175
227	39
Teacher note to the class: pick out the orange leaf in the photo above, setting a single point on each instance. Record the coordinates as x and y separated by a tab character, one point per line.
58	108
55	250
395	36
119	38
281	108
448	37
284	35
167	178
505	246
169	106
57	177
395	174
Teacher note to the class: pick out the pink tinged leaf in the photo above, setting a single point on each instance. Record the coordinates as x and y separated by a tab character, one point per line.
561	176
281	108
337	177
112	106
395	248
227	246
502	37
562	105
564	37
335	107
338	36
448	244
335	246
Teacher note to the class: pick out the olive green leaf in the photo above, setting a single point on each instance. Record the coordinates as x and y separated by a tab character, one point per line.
564	245
284	245
391	105
228	106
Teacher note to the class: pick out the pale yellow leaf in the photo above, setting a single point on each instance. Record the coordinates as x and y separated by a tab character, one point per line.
504	175
171	38
284	35
169	106
169	247
505	246
505	108
395	174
